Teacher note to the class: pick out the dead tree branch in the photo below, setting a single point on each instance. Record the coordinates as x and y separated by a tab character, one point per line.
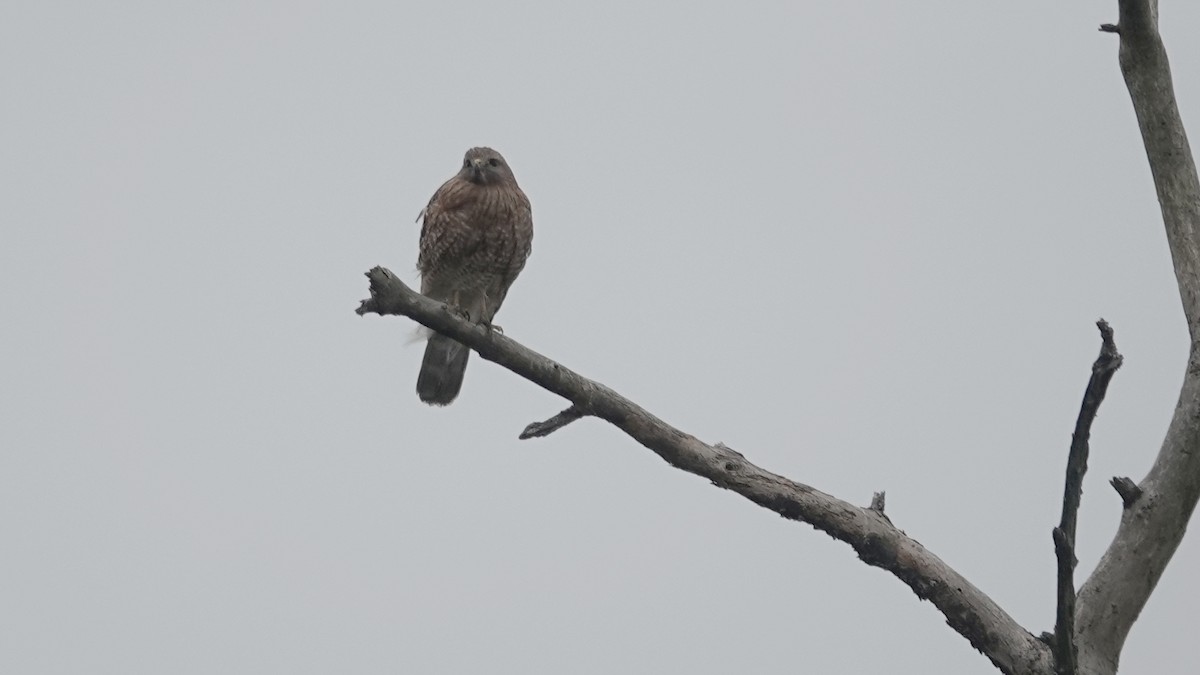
1156	514
1103	369
967	609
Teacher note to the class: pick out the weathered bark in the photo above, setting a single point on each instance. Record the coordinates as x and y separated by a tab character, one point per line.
1157	511
967	609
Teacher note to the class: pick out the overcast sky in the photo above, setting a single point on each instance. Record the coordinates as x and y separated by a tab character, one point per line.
863	243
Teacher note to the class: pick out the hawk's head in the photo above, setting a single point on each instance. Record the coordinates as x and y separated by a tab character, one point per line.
485	166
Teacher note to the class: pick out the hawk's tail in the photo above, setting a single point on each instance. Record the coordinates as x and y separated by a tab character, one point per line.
442	370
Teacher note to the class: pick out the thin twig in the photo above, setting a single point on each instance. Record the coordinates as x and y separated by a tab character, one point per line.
1064	535
562	419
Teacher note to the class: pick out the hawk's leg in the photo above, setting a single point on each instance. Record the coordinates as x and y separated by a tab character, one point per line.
454	306
461	312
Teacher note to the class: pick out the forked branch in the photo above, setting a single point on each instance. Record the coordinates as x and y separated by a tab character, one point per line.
967	609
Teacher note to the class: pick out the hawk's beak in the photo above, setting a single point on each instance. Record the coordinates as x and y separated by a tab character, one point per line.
477	168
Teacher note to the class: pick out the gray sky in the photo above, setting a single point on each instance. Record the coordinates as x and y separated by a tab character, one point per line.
863	243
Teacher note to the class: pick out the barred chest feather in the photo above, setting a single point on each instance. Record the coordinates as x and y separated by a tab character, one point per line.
476	236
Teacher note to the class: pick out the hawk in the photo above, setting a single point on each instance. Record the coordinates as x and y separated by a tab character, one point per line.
476	233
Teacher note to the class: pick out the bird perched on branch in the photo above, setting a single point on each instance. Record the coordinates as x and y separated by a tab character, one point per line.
476	233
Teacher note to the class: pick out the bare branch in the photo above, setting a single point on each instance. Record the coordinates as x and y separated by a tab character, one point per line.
1147	74
1065	657
1153	524
1103	369
967	609
562	419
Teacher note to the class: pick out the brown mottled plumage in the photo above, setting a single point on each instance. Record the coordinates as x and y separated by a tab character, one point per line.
476	234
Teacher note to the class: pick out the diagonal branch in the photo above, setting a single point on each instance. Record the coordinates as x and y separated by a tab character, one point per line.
1157	511
967	609
1103	369
562	419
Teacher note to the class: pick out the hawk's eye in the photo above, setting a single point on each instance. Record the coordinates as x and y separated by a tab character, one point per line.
493	162
466	163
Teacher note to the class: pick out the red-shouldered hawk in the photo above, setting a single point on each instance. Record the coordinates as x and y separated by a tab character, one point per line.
475	236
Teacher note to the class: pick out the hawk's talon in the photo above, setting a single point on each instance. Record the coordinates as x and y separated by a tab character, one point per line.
457	311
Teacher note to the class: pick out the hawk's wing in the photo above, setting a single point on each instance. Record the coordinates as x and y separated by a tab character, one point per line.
518	244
